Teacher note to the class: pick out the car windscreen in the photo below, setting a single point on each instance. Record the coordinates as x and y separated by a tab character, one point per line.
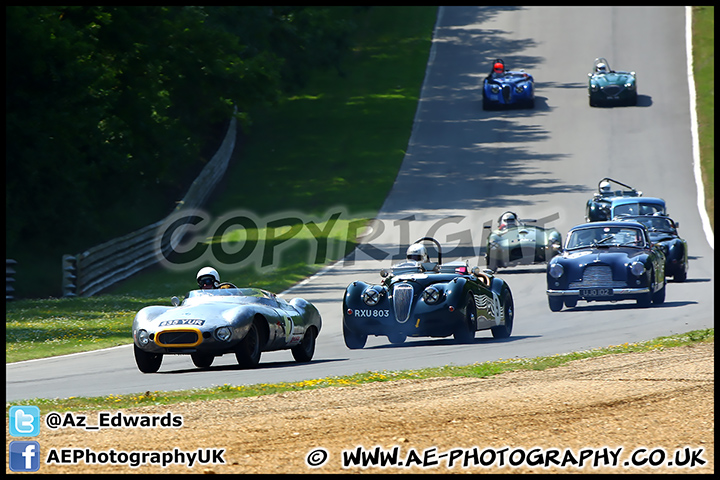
638	208
657	224
233	295
605	236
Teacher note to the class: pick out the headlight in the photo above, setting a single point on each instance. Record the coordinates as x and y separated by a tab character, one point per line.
556	270
637	268
223	334
495	89
142	337
431	295
629	86
594	87
519	89
371	297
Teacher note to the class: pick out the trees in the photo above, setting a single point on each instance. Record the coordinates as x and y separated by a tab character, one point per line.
108	108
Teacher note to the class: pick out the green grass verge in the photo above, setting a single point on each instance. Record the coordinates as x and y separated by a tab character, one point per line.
704	73
476	370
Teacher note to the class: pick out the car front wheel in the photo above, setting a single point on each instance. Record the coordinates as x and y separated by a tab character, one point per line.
646	299
248	350
353	341
147	362
658	297
465	333
504	331
555	303
202	360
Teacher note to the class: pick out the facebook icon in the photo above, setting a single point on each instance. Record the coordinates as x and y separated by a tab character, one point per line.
24	456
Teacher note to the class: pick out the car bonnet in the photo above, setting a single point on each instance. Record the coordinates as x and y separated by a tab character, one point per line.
612	78
197	315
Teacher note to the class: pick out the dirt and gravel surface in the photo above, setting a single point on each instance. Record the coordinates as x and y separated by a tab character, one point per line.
655	404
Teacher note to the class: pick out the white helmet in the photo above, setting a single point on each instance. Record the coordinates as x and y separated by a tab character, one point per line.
601	68
508	220
417	252
208	272
605	187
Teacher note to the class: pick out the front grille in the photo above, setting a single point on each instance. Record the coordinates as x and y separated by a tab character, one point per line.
402	301
598	276
178	338
612	90
506	93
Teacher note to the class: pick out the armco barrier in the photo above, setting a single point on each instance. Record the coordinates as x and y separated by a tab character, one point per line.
99	267
9	278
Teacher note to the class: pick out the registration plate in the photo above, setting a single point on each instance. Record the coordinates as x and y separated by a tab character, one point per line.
596	292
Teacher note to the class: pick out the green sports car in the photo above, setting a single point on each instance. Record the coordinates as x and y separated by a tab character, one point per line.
517	242
610	87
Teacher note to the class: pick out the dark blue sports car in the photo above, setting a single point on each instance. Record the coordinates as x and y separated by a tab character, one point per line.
598	208
428	299
663	231
607	261
503	88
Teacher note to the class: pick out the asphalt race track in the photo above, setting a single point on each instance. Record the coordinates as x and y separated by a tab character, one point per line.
463	168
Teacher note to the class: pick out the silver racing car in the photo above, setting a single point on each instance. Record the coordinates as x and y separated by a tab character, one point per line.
210	323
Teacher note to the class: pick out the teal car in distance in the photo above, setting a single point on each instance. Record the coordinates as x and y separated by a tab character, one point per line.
607	87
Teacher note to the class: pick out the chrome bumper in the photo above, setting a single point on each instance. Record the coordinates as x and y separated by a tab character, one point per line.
616	291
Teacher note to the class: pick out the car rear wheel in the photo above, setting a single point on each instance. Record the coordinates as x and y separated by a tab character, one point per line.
248	350
353	341
465	333
202	360
504	331
305	351
147	362
681	276
492	263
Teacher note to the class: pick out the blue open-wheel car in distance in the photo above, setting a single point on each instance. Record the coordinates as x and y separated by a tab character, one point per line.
508	88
